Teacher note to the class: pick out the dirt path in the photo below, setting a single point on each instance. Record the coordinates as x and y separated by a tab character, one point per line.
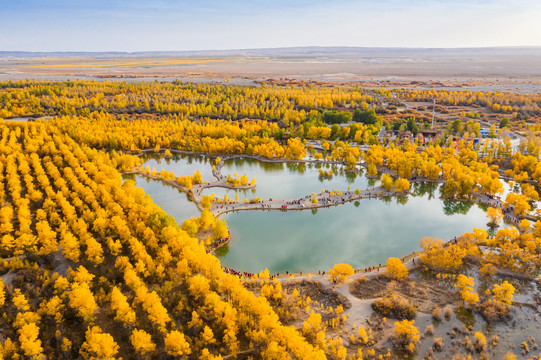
360	309
324	199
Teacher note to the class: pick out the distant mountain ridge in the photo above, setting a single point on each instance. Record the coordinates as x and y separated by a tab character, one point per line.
285	52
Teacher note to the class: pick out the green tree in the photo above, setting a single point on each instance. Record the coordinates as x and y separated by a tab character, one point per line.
456	126
365	117
412	126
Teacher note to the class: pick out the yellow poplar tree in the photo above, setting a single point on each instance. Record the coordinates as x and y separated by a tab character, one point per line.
401	184
466	284
386	182
406	334
340	272
396	269
503	293
495	215
142	342
176	344
98	345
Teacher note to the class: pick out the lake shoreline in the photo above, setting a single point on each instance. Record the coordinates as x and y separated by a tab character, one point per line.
324	199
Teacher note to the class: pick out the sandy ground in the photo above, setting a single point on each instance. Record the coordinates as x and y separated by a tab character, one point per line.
360	309
503	69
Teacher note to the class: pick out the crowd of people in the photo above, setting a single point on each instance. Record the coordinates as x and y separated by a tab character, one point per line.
509	214
287	273
217	243
238	273
248	274
304	201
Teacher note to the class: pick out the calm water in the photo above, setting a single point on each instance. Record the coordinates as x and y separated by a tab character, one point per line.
286	181
173	201
364	233
361	234
181	164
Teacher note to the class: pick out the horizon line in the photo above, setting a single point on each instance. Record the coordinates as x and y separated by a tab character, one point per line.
282	48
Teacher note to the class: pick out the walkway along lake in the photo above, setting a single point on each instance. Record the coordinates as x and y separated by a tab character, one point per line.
362	233
285	180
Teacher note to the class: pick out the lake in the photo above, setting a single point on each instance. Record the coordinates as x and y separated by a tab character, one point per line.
363	233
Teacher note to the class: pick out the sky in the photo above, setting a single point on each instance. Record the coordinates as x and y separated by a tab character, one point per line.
175	25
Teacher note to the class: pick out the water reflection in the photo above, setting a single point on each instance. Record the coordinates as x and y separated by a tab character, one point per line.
297	167
180	164
173	201
422	189
402	199
451	207
286	181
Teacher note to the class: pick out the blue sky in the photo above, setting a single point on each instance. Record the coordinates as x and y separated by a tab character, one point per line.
167	25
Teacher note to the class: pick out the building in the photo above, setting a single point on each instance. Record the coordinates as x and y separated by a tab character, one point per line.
484	132
429	133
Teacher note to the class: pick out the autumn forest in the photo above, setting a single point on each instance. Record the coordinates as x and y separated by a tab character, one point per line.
92	268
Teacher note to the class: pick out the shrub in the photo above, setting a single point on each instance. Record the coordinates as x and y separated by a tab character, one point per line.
395	307
493	311
406	335
488	270
438	344
437	313
480	342
509	356
448	311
